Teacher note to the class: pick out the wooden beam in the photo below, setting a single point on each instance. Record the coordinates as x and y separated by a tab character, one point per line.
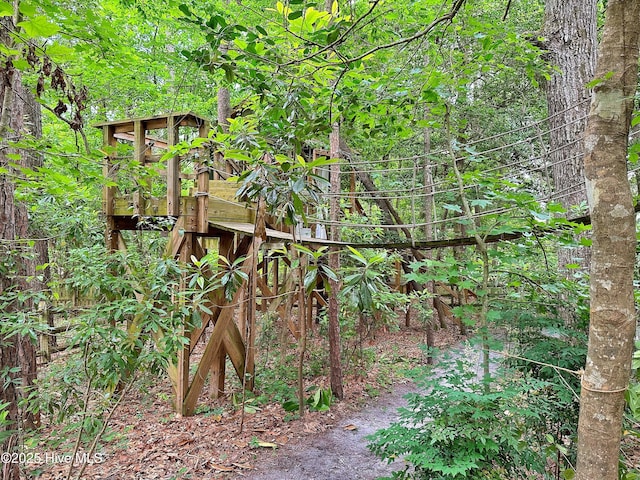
218	374
235	348
124	128
320	299
214	343
149	141
182	384
173	170
109	192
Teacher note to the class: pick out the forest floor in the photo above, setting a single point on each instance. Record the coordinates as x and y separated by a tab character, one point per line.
147	440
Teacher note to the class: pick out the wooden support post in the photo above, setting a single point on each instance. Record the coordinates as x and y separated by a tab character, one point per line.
139	146
202	198
109	192
182	381
218	373
260	235
203	130
173	169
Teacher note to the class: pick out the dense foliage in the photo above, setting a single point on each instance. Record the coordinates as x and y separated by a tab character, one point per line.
423	91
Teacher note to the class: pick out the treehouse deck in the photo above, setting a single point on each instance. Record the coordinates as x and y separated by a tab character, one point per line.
151	185
224	213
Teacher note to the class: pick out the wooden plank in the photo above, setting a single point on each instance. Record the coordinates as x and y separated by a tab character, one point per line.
187	118
154	207
149	140
225	247
176	239
220	210
157	123
126	127
265	277
248	229
109	192
203	129
224	189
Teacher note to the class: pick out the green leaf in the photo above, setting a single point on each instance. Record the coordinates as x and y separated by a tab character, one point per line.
454	208
290	406
480	202
39	27
586	242
228	72
6	9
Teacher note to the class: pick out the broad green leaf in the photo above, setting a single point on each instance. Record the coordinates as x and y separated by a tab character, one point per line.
39	27
454	208
6	9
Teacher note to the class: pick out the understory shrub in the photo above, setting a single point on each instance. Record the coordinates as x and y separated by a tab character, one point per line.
455	429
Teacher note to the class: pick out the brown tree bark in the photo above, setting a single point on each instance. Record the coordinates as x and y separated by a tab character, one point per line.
612	322
16	351
334	263
429	208
570	40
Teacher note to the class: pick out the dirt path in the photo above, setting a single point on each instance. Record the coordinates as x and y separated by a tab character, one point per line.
339	453
148	441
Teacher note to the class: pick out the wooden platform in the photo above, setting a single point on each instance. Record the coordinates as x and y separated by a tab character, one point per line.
272	235
183	194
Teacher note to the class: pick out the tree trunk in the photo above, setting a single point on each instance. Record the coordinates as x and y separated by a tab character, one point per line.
429	208
570	33
612	323
334	263
16	351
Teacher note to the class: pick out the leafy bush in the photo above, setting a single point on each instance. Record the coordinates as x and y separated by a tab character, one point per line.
454	430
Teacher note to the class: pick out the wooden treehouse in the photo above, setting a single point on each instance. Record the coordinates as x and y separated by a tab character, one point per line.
201	212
